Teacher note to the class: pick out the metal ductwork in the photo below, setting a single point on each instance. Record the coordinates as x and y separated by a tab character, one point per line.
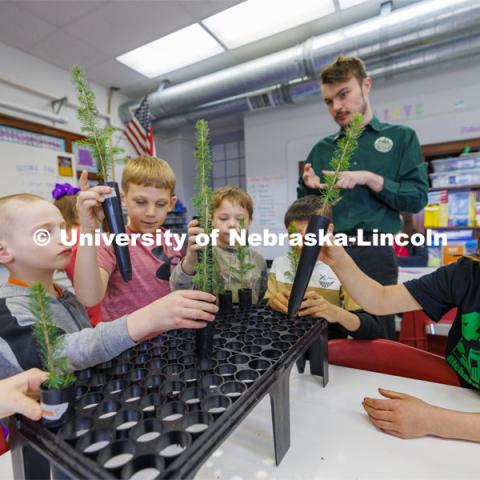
300	91
387	36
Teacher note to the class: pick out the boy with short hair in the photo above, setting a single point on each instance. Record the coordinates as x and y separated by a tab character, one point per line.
230	205
325	296
27	261
148	185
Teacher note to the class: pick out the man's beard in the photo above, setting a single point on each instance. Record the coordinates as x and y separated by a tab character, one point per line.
363	109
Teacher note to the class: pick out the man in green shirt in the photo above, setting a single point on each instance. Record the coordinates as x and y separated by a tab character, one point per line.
387	173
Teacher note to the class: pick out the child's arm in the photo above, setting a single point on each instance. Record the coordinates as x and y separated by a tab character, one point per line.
314	305
182	275
180	309
409	417
369	294
90	346
276	299
90	281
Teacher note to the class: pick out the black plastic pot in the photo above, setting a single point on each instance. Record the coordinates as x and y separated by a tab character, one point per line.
306	264
244	298
113	213
204	341
225	302
57	405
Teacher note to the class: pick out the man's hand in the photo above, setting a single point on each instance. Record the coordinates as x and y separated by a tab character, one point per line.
351	179
310	178
279	301
401	415
314	305
18	394
191	257
89	204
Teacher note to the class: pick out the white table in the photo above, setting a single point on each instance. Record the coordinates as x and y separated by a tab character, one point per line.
332	438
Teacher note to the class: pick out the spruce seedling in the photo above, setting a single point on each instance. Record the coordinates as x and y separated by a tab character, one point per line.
244	264
206	272
99	139
293	255
49	338
340	162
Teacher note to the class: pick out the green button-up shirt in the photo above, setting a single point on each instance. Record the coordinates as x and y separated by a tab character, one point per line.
392	151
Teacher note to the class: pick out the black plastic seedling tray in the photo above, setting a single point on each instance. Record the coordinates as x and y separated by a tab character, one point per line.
157	406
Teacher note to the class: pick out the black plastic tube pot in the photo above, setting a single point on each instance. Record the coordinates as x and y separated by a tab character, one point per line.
204	341
306	264
57	405
225	302
244	298
113	213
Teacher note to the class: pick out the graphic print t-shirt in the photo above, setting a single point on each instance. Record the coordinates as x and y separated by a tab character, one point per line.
455	285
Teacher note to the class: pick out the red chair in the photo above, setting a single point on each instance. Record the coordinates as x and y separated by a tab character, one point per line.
3	442
393	358
413	327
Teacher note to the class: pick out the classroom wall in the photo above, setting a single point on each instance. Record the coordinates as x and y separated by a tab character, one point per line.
178	151
24	69
440	104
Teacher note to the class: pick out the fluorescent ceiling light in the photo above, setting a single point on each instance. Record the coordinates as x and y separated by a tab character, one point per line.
350	3
255	19
179	49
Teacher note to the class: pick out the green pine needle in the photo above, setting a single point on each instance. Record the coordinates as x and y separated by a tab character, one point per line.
340	162
99	139
206	276
49	338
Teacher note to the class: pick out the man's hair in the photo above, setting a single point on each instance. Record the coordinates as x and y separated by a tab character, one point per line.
234	195
150	172
302	209
68	208
342	69
7	215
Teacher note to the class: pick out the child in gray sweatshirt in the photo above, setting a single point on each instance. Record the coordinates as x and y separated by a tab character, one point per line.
21	217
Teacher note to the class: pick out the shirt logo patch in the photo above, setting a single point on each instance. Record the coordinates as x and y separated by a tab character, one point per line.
383	144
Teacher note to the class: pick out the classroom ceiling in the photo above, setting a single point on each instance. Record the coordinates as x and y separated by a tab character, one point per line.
92	33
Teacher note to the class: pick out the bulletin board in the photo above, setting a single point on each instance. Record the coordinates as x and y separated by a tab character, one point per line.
27	169
33	157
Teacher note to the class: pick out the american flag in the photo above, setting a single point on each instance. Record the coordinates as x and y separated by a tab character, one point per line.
139	130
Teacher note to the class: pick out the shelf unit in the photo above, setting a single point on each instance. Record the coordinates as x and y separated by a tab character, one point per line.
437	151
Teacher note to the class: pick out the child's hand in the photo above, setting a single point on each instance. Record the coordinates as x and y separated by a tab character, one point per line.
279	301
18	394
331	254
89	204
401	415
191	257
314	305
178	309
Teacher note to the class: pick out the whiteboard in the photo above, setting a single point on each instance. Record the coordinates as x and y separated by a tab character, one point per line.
27	169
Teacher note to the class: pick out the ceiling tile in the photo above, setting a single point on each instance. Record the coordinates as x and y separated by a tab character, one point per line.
61	12
200	9
122	26
64	50
20	30
113	73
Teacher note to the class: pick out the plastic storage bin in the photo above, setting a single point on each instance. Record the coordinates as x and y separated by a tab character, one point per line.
463	162
456	177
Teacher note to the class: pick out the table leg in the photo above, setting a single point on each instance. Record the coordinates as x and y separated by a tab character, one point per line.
27	463
280	404
318	356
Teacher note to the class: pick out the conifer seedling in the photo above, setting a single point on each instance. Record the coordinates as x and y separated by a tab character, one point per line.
49	339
